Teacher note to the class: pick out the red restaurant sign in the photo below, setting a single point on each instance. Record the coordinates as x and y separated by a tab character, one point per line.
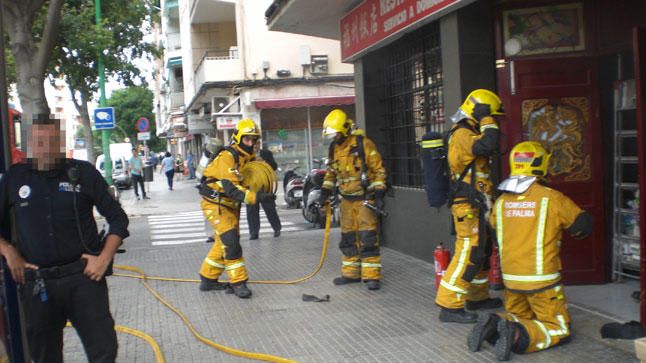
375	20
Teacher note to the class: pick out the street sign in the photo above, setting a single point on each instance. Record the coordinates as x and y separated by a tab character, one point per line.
227	122
104	118
142	136
143	124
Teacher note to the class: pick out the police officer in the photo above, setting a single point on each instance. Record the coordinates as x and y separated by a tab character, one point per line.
58	258
472	144
253	210
356	166
222	193
529	219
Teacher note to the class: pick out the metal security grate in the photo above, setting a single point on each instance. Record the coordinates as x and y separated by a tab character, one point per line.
412	86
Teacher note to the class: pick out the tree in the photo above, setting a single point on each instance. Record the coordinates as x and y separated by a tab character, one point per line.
32	29
131	104
120	36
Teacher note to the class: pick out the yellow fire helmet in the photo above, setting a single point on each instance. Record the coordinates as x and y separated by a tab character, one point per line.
245	127
529	158
478	96
336	121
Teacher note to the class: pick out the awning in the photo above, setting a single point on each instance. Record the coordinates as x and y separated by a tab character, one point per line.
174	62
304	102
169	4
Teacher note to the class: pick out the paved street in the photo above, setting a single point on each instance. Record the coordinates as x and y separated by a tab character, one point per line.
396	324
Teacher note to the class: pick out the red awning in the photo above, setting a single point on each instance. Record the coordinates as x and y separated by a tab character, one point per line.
304	102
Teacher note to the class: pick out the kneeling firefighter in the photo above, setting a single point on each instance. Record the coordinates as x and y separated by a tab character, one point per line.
529	219
472	143
222	193
356	166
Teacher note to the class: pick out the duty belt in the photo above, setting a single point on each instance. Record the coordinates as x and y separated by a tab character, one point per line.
56	272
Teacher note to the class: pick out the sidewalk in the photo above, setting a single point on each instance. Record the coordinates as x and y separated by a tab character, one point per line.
395	324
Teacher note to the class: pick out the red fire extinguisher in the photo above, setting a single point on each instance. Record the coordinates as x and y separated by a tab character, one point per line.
495	275
442	258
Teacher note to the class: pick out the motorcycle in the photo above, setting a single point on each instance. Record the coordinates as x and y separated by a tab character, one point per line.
293	188
313	211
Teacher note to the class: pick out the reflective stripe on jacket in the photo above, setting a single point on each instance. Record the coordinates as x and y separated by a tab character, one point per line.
345	169
224	167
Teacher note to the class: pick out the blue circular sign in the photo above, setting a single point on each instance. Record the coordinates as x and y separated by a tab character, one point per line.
143	124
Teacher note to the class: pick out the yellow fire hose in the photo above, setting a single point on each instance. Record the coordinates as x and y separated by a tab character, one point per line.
159	357
228	350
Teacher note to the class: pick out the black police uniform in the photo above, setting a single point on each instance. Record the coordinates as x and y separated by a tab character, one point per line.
253	210
52	212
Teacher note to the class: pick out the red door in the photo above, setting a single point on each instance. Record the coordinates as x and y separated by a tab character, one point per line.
556	102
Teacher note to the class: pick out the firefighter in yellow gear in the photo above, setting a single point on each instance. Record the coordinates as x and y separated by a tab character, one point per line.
529	219
472	144
355	166
222	193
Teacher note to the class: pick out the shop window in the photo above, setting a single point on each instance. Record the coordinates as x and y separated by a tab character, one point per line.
412	86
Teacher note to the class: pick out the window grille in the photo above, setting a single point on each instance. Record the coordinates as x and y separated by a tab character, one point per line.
412	97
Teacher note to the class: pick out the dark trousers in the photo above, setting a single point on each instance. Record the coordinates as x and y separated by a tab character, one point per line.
77	298
253	216
169	178
138	180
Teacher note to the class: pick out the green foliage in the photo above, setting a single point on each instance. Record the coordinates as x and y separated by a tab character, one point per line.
120	36
130	104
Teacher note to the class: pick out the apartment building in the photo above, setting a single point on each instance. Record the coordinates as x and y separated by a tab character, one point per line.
222	64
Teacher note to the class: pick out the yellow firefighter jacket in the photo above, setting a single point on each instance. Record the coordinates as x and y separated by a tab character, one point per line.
529	228
345	168
460	155
224	167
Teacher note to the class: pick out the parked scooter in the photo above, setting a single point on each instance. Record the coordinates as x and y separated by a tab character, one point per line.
293	188
312	210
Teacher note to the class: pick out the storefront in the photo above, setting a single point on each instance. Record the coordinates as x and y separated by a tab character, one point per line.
569	74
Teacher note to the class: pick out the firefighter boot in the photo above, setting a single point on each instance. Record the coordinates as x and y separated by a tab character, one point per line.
240	290
345	280
457	316
507	331
485	329
210	284
372	284
487	303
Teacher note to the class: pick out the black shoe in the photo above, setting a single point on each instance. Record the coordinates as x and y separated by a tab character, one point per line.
372	284
253	237
487	303
136	196
345	280
209	284
457	316
276	233
485	329
210	240
240	290
146	197
506	329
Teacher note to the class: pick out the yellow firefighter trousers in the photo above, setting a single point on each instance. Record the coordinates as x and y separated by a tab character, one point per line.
359	241
463	276
226	253
543	314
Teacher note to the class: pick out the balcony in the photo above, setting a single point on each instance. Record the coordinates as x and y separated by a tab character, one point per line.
218	66
176	100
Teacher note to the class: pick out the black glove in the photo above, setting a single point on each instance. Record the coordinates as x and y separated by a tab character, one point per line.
265	197
379	199
325	194
481	110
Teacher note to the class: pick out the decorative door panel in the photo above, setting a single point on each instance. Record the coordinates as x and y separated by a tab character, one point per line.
555	101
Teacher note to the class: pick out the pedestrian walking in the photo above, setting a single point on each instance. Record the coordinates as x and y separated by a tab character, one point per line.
168	168
222	194
472	144
529	219
179	166
57	257
136	168
269	206
356	166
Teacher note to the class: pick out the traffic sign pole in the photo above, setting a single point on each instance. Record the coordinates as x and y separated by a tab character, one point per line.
105	134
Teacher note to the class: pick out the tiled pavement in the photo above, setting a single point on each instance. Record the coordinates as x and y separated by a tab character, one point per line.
396	324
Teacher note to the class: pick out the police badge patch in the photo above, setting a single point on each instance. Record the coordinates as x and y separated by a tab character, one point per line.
24	192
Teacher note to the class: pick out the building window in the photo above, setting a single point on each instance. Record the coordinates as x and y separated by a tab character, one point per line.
412	100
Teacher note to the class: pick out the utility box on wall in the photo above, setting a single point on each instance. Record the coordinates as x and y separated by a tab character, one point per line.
319	64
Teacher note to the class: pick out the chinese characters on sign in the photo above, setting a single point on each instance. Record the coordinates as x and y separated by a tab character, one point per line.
374	20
